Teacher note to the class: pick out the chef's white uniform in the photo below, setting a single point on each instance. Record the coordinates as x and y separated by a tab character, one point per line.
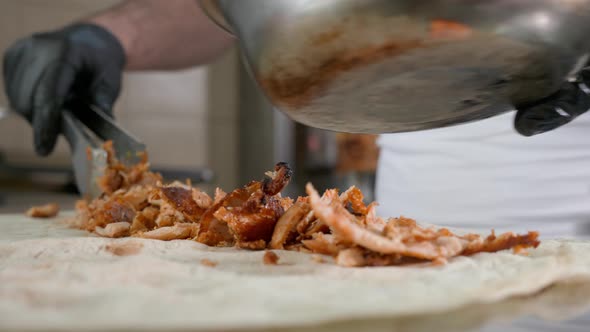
483	175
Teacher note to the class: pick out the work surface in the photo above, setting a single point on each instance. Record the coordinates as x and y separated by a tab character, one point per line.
58	278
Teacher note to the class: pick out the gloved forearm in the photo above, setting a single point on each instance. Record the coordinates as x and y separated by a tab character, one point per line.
83	63
46	72
159	34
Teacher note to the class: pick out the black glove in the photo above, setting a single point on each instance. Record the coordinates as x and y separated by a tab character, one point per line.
46	72
556	110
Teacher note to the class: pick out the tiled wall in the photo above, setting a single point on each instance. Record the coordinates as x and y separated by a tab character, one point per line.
188	119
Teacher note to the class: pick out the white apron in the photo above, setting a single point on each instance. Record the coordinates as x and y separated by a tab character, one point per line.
483	175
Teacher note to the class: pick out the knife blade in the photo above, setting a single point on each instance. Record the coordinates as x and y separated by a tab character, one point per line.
89	159
128	149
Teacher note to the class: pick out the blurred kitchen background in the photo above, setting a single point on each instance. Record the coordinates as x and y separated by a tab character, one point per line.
209	124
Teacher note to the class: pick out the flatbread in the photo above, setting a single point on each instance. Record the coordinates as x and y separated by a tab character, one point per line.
67	280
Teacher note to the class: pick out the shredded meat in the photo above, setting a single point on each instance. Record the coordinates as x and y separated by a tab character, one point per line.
116	229
322	244
316	226
246	216
503	242
127	248
277	180
119	176
353	198
256	217
214	232
176	232
219	195
305	222
270	258
208	262
183	201
402	236
346	227
287	224
145	220
43	211
351	257
116	209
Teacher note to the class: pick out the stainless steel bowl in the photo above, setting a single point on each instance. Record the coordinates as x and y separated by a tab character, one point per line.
379	66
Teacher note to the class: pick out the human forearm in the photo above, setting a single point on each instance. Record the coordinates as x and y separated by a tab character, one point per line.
160	34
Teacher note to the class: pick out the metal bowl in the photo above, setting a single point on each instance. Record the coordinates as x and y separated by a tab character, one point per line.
379	66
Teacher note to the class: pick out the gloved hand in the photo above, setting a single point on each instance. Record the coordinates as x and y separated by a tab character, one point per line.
556	110
46	72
